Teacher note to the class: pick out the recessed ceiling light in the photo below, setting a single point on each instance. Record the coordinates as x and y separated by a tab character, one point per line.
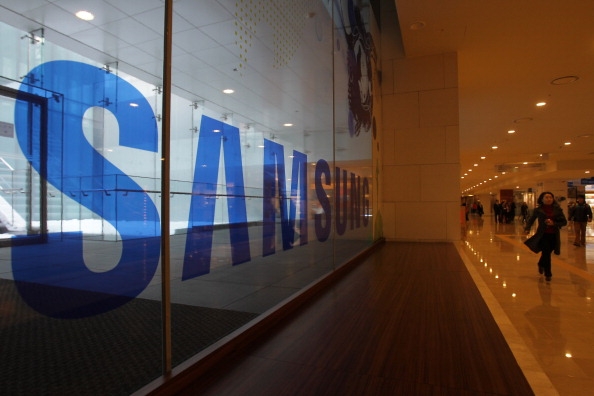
494	147
511	131
288	124
567	143
483	157
228	91
85	15
565	80
540	104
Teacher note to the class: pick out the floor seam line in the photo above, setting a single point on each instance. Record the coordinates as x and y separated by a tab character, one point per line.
533	371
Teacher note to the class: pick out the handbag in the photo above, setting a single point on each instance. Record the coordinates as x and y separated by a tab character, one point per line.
533	243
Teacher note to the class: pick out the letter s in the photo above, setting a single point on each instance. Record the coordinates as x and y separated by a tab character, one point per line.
52	277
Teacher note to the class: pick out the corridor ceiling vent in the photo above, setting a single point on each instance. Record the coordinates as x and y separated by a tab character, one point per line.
565	80
519	166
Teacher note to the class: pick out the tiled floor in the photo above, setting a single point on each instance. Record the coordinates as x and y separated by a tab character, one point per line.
548	325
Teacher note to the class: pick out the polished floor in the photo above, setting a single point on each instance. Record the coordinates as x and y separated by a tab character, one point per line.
548	325
406	322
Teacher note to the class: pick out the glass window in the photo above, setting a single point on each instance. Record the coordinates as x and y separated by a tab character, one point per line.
270	177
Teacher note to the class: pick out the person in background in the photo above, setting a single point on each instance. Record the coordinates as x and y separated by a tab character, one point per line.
504	210
497	211
580	214
547	238
510	211
479	208
524	211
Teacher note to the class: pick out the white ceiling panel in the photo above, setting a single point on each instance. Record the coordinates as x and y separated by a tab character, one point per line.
101	40
193	41
136	7
130	31
202	13
103	11
57	19
21	6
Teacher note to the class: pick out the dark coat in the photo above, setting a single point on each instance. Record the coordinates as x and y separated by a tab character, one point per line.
580	213
558	218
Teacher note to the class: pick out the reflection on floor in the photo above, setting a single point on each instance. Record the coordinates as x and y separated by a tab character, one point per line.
549	325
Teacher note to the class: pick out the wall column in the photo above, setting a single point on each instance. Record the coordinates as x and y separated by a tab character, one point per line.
420	148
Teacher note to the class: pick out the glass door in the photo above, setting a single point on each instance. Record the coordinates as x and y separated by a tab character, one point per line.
23	193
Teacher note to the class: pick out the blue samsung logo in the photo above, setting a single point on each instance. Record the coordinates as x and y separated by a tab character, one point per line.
53	278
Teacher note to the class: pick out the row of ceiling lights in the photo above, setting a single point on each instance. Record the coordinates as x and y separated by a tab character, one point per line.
495	147
565	80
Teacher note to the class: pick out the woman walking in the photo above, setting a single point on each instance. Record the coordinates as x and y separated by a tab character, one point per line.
547	238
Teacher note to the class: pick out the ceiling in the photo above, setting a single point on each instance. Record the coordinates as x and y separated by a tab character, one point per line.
211	41
509	54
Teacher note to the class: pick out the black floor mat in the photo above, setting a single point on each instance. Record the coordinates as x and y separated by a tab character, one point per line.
114	353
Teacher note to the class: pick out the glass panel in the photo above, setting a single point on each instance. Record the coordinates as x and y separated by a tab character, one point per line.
248	184
354	62
84	149
271	182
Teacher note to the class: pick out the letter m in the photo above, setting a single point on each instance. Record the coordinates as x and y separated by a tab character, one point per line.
275	196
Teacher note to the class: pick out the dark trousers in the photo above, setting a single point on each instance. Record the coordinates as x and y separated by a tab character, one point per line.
547	244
